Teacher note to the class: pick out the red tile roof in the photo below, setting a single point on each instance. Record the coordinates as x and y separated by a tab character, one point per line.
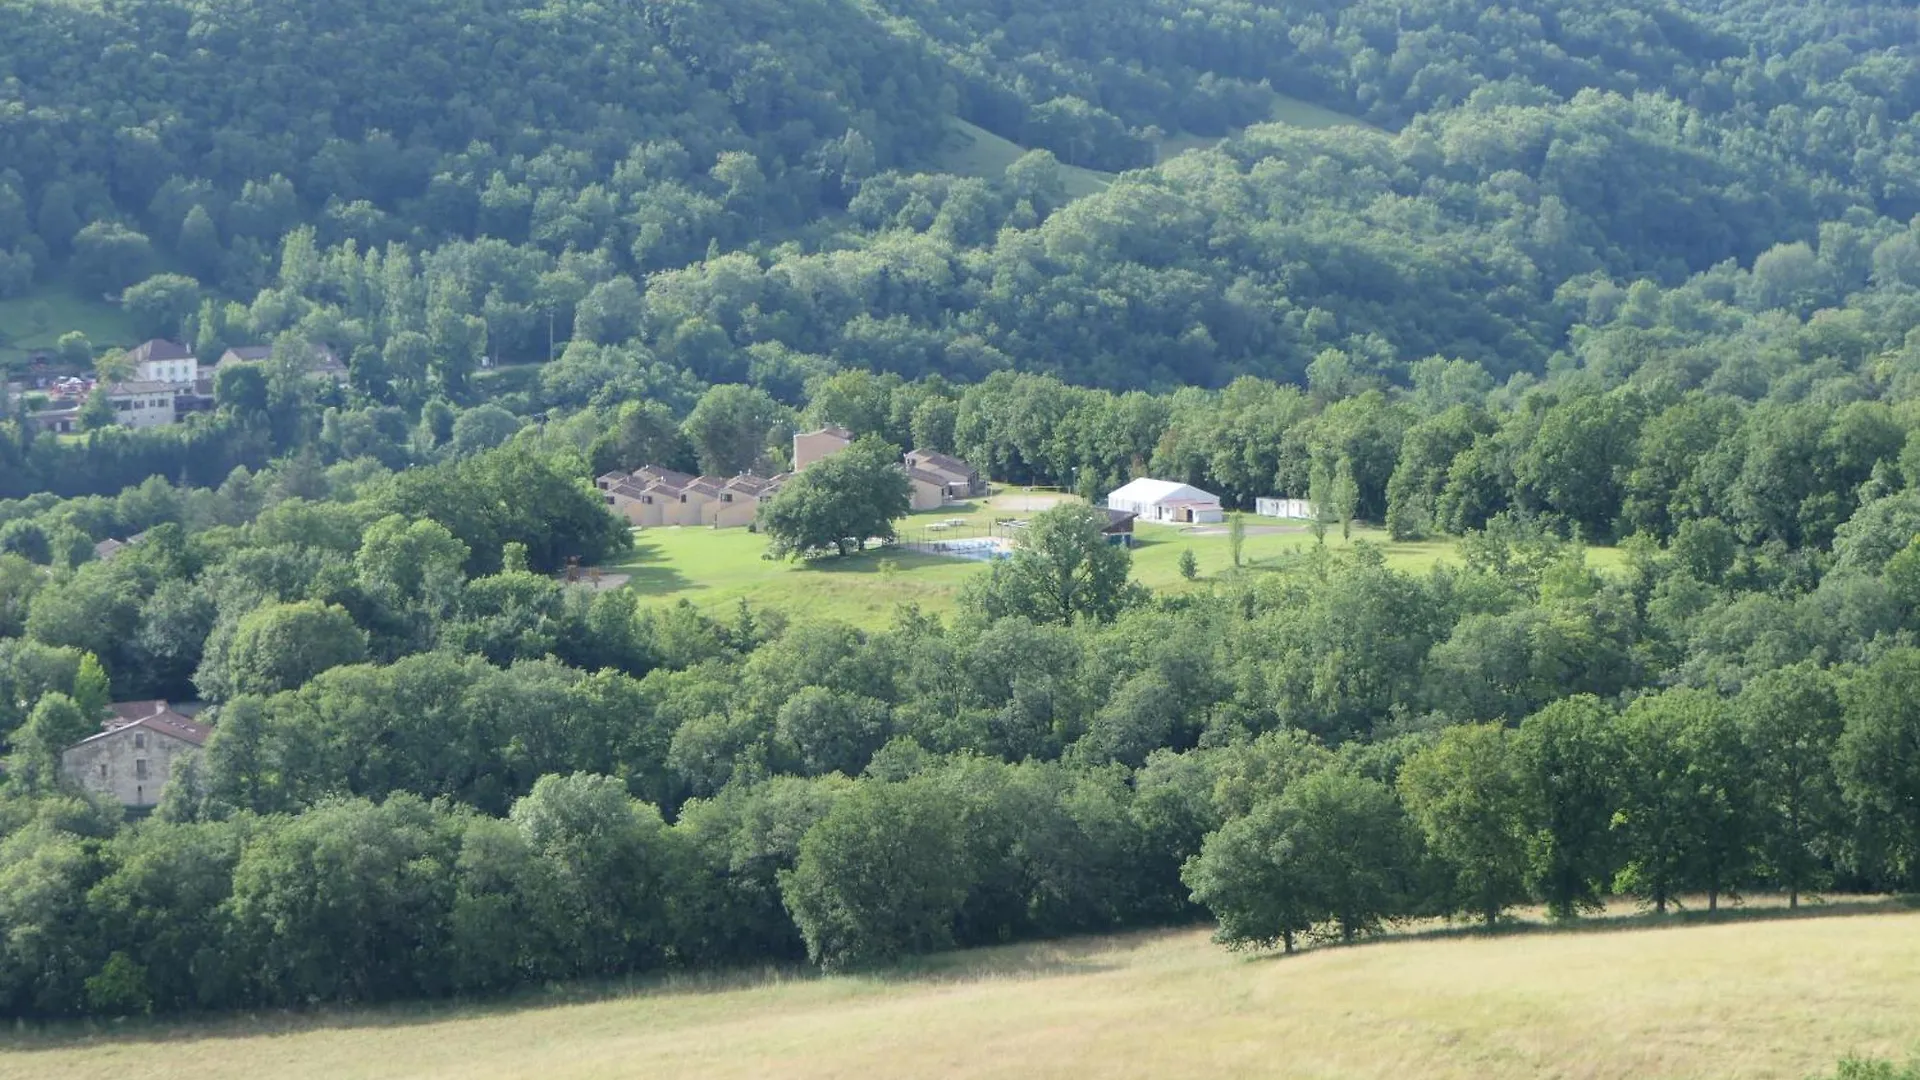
134	714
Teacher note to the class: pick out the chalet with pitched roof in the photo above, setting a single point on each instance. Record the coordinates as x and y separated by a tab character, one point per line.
812	446
962	480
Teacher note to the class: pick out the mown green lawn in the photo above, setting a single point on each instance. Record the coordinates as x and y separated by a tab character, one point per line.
716	568
36	321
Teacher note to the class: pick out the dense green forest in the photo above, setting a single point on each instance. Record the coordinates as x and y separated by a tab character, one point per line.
1643	274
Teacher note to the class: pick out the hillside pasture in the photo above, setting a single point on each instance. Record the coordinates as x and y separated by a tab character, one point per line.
1290	111
1762	1000
972	150
34	322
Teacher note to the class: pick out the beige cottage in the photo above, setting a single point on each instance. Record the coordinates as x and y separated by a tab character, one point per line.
961	479
811	446
929	490
132	759
739	501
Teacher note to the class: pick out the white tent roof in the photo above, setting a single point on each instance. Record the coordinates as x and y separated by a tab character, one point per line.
1145	491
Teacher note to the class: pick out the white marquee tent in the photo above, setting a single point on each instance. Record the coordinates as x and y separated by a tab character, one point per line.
1167	501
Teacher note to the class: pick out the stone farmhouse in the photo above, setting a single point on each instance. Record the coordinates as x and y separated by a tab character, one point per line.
135	753
325	366
654	496
144	404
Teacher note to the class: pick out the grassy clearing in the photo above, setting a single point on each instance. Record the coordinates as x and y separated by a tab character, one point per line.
1286	110
1756	999
36	321
972	150
716	568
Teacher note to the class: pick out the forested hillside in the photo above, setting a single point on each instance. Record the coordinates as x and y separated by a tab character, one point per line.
1643	274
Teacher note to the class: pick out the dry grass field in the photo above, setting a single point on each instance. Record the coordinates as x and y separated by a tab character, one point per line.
1753	999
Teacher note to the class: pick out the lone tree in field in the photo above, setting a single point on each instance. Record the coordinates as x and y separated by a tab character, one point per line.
840	502
1063	569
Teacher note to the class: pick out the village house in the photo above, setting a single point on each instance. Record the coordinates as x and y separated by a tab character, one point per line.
61	421
105	550
143	404
162	361
325	366
135	753
929	490
739	501
811	446
1167	501
961	480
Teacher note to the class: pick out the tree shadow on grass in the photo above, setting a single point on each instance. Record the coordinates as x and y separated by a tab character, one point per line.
652	578
874	560
1028	960
1639	921
1033	960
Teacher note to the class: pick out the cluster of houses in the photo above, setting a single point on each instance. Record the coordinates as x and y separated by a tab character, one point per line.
139	745
167	383
654	496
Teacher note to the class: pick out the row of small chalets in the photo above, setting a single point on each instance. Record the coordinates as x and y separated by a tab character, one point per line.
654	496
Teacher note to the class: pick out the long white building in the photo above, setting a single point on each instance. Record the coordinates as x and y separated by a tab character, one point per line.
1167	501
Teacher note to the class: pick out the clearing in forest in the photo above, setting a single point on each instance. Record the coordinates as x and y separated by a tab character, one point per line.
716	568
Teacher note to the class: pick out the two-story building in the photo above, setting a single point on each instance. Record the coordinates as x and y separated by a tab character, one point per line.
143	404
162	361
961	480
812	446
135	754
